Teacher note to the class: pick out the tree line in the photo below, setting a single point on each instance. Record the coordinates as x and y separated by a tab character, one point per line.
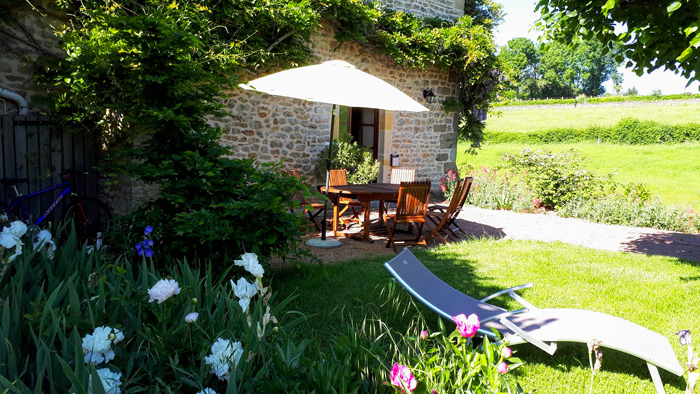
554	69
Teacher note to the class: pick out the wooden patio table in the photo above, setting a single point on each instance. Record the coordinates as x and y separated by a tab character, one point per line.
364	194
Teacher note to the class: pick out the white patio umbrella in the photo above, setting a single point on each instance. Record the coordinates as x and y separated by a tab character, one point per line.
339	83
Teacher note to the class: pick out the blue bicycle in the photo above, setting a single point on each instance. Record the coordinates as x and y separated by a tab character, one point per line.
90	216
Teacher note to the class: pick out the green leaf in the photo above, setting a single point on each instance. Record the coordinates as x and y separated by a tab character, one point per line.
685	54
673	6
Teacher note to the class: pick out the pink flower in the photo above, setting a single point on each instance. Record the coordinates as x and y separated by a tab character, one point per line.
423	334
502	368
506	352
467	326
402	377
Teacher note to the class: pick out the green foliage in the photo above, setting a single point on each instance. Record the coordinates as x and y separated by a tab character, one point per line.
627	131
222	209
448	363
624	209
158	74
555	178
496	188
598	100
357	161
49	305
448	183
659	34
556	70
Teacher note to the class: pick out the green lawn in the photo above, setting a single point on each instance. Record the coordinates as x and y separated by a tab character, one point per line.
655	292
671	171
545	118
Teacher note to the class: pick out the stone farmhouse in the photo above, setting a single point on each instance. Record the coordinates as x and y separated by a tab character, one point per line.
269	128
272	128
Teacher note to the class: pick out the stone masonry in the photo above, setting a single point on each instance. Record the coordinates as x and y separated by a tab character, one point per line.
22	41
271	128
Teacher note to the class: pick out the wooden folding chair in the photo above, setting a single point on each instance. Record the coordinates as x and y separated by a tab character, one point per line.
339	178
441	218
399	175
316	208
437	213
411	208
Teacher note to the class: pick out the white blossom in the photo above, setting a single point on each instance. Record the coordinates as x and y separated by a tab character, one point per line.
16	229
162	290
244	290
110	381
223	354
207	391
249	261
98	345
44	238
10	237
191	317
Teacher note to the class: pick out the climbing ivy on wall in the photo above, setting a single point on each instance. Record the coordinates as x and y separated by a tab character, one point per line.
272	33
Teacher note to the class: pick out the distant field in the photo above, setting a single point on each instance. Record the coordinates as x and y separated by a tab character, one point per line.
671	171
548	117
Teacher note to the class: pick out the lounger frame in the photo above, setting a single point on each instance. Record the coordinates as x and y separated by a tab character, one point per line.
446	301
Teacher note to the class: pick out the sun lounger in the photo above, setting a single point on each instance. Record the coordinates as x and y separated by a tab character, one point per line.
540	327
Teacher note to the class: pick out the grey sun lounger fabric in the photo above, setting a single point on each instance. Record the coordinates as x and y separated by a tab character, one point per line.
533	325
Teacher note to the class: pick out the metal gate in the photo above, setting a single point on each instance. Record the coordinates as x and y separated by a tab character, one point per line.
36	148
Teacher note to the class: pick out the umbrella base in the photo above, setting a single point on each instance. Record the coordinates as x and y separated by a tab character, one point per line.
324	244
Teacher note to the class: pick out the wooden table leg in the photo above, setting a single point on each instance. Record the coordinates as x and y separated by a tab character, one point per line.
381	211
335	218
366	224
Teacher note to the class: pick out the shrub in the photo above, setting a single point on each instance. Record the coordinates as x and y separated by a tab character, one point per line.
620	209
229	208
500	189
448	183
627	131
557	178
356	160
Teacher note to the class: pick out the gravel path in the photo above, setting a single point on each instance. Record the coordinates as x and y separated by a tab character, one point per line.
480	222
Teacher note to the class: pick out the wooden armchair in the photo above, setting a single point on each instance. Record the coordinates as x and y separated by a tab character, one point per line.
316	208
411	208
444	216
398	175
339	178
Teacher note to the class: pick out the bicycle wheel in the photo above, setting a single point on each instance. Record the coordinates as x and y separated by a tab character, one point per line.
91	220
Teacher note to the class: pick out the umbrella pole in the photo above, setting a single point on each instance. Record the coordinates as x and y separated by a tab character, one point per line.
323	242
328	174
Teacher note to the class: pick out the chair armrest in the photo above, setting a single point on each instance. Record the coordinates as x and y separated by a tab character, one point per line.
513	295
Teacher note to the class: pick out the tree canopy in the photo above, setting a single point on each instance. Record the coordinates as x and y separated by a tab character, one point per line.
556	70
651	33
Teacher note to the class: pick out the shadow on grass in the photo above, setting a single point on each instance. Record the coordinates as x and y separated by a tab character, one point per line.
678	245
355	290
570	356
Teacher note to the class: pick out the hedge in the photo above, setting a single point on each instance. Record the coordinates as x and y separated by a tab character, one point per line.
627	131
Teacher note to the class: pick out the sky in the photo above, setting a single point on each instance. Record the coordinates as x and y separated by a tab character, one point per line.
520	19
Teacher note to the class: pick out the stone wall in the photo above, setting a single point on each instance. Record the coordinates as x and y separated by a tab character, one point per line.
443	9
271	128
22	41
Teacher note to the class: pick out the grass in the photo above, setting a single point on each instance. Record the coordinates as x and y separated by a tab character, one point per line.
655	292
545	118
670	171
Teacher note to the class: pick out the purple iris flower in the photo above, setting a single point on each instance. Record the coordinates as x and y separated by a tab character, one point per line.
684	337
